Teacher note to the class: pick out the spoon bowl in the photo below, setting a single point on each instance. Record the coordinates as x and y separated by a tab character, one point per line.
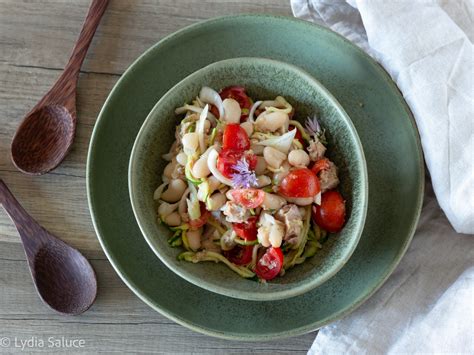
63	277
43	139
65	280
46	134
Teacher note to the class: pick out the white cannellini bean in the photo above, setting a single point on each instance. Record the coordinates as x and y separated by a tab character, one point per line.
194	239
257	148
213	183
261	165
166	208
272	121
200	168
263	180
248	127
216	201
301	201
169	169
273	202
190	142
173	219
175	191
232	111
159	190
273	157
182	159
298	158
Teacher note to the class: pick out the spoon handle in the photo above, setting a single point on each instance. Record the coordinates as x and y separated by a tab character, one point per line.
96	10
65	87
25	224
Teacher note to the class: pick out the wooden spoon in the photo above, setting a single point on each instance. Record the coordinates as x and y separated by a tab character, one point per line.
46	134
63	277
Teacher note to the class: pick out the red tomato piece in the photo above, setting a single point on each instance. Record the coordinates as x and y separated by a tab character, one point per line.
252	160
320	165
300	183
238	93
214	110
198	223
240	254
229	157
249	198
246	230
270	264
235	137
331	214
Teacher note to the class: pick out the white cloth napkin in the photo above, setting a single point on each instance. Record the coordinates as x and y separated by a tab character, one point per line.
427	305
427	48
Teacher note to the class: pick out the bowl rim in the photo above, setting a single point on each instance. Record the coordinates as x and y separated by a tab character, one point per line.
230	292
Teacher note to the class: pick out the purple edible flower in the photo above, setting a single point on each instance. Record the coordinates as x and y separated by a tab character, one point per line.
312	125
244	177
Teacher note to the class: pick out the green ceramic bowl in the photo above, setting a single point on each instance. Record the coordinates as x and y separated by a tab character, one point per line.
263	79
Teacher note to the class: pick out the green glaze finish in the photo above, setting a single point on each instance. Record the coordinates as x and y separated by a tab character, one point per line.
264	79
386	129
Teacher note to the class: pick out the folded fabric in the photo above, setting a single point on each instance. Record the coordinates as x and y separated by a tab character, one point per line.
426	46
427	305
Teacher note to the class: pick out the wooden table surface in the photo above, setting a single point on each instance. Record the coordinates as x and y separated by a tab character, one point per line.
36	37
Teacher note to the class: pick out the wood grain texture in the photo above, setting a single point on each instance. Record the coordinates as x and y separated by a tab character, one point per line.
63	277
35	41
46	134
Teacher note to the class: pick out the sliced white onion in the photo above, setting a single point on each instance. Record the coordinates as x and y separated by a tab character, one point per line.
317	198
200	128
159	191
211	96
192	202
281	143
212	164
252	111
168	156
185	108
279	104
182	206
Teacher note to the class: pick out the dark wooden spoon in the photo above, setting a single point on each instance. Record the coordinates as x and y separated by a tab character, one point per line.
46	134
63	277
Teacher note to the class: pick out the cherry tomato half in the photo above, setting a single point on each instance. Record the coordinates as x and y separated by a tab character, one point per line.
240	254
198	223
246	230
229	157
235	137
269	265
320	165
300	183
249	198
238	93
331	214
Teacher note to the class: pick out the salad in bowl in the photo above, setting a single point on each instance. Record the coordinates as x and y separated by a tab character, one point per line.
248	179
247	185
